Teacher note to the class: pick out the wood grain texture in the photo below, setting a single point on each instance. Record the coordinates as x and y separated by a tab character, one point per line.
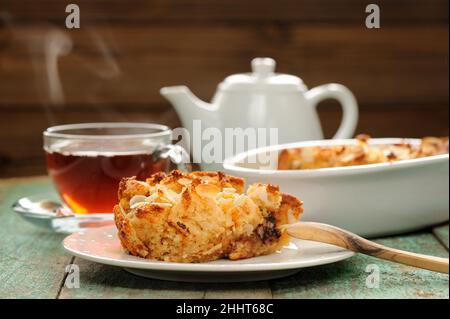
32	262
347	279
100	281
21	152
125	65
26	157
125	52
242	290
226	11
441	233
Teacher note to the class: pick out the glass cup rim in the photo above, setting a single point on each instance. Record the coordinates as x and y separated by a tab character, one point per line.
54	131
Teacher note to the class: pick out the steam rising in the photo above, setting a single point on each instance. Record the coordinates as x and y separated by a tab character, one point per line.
46	45
111	68
56	44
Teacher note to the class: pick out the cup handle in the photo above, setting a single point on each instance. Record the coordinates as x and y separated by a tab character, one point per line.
175	153
346	99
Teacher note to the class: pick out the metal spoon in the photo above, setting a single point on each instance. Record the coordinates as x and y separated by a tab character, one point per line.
46	211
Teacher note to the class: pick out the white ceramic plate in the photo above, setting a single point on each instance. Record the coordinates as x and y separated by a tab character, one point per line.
370	200
102	245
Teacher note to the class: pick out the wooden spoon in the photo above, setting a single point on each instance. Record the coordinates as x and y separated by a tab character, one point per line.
335	236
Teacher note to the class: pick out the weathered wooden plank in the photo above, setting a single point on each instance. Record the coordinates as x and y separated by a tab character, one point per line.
22	168
125	65
34	122
441	233
341	280
201	11
32	261
26	158
347	279
100	281
398	122
21	150
243	290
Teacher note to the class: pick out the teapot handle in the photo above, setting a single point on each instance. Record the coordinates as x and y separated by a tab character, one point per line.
347	101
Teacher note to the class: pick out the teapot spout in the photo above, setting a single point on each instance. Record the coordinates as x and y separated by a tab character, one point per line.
186	104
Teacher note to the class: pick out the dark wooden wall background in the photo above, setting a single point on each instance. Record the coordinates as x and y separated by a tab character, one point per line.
126	50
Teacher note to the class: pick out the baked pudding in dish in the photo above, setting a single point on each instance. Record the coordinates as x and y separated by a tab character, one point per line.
361	153
202	216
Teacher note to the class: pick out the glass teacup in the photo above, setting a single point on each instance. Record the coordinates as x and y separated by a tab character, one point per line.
87	161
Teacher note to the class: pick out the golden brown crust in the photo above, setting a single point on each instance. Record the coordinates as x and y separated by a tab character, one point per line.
201	216
128	187
359	154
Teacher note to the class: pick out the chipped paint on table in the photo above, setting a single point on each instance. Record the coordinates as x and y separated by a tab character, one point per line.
32	265
441	233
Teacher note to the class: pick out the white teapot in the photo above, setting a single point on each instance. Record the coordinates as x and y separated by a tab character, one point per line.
263	99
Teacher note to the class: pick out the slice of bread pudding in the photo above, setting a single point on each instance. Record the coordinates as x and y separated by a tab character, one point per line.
361	153
202	216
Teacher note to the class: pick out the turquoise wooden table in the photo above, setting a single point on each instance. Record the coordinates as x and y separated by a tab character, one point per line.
33	263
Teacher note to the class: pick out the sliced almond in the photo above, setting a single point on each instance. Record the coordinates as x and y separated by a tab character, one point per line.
137	199
184	181
207	190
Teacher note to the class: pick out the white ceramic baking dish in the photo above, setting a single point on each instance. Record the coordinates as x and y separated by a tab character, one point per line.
371	200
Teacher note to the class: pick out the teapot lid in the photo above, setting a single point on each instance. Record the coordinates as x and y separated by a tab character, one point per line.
263	78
